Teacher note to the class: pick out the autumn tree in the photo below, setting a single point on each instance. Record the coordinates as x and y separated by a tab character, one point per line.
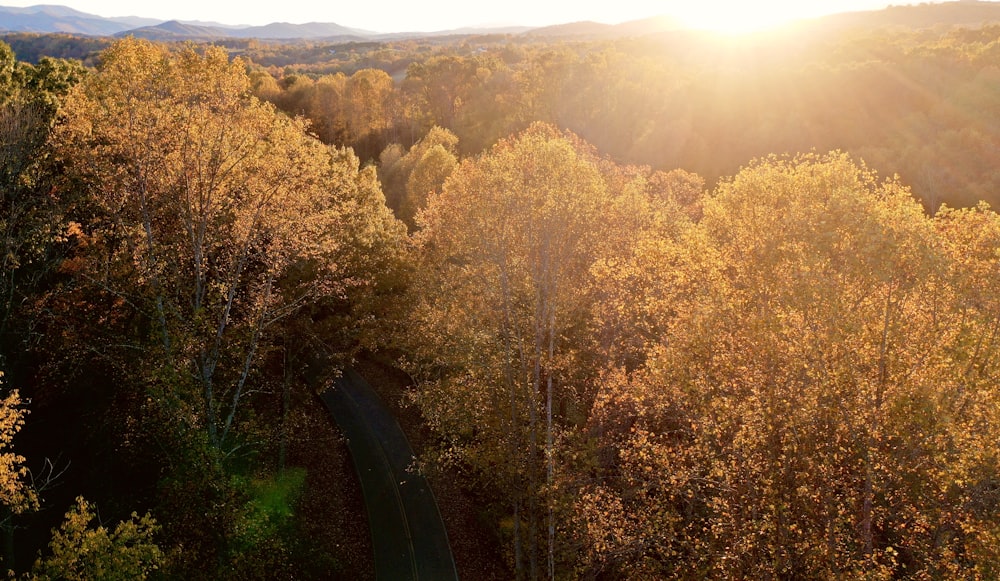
630	286
370	108
803	411
81	551
329	109
214	234
16	495
30	213
397	165
220	217
427	178
504	253
438	87
970	239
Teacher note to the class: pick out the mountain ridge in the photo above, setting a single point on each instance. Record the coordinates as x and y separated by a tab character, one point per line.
53	18
45	18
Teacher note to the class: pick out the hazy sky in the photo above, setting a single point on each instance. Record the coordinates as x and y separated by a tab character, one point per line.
411	15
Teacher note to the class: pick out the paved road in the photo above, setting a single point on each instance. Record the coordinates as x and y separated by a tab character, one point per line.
408	536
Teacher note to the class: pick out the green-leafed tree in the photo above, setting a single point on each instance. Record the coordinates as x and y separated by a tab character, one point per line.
30	211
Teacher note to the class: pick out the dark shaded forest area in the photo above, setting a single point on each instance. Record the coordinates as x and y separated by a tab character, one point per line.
676	306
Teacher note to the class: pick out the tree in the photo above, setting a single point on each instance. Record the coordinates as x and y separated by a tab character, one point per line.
31	228
214	232
329	115
80	552
504	251
439	87
805	410
370	105
30	213
426	179
15	495
396	166
970	239
219	218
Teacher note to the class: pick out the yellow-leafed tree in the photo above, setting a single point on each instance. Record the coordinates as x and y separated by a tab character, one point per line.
503	260
822	397
218	217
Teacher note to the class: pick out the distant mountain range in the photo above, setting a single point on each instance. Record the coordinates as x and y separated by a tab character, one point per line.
51	18
62	19
177	30
597	29
966	13
48	18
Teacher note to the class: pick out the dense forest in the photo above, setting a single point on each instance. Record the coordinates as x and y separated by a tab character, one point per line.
668	307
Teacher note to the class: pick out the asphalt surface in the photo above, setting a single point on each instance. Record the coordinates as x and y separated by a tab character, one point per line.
408	535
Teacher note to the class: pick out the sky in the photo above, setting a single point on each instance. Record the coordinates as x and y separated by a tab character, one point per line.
408	15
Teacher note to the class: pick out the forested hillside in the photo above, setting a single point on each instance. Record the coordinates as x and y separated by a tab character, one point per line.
661	304
922	104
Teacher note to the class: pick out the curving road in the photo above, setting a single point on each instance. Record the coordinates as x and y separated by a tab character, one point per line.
408	535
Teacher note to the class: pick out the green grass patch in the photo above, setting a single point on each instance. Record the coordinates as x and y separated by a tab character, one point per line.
271	506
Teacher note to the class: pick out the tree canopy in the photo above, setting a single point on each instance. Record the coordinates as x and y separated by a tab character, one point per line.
781	366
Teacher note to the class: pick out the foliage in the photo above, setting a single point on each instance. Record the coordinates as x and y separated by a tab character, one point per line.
916	103
213	232
30	218
81	552
33	48
919	103
503	254
15	495
788	378
408	178
219	218
271	505
803	413
793	376
264	538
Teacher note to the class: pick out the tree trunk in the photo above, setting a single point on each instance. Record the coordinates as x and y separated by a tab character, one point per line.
7	528
286	398
518	550
536	387
550	451
867	507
